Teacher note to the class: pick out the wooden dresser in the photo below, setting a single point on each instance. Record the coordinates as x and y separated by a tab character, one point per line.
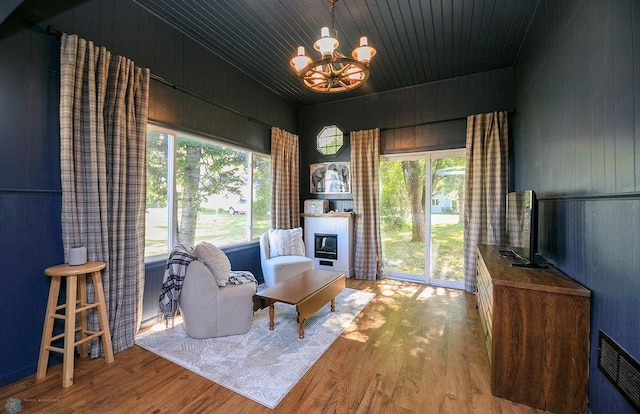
536	329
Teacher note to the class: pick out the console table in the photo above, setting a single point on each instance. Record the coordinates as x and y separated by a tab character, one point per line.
536	330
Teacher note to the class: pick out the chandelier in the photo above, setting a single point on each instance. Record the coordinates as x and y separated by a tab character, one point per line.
333	72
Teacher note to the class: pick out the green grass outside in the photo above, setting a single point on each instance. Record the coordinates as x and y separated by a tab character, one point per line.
402	255
219	229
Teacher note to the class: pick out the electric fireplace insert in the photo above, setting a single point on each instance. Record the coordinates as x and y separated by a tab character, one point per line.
326	246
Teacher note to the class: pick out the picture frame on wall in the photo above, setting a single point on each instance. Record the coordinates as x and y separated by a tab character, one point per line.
330	178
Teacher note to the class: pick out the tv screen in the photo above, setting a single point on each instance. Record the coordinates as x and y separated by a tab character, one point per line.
522	220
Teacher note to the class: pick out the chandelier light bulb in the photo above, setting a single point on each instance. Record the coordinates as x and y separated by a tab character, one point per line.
300	61
364	53
326	44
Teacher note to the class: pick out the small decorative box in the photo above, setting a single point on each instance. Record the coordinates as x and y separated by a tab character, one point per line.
316	206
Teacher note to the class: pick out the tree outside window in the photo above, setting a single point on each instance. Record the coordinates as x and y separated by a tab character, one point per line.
201	190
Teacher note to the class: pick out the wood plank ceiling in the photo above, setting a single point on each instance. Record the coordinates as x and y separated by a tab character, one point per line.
418	41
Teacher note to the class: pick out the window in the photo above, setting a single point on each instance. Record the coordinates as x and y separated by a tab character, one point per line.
329	140
422	242
203	190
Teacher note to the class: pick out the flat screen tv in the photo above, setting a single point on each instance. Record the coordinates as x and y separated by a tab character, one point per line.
522	226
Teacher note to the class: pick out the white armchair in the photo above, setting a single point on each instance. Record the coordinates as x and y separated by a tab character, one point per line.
279	268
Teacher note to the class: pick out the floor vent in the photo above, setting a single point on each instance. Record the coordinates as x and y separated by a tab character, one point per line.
621	369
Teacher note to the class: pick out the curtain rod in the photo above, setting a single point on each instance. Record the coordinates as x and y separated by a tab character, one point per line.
28	191
57	33
509	112
424	123
54	32
205	99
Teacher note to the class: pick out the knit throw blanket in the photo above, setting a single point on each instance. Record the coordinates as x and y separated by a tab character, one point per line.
239	277
174	274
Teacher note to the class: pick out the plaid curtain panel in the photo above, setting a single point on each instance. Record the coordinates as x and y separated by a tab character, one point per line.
104	103
485	187
285	194
365	162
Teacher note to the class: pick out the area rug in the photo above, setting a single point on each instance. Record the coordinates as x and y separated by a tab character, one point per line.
262	365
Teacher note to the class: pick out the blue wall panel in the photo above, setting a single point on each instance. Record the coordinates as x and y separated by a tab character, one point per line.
31	241
603	256
576	143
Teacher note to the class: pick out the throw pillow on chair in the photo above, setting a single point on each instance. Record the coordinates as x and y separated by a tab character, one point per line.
216	260
286	242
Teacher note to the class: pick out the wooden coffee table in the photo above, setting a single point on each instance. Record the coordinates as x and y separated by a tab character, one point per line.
308	291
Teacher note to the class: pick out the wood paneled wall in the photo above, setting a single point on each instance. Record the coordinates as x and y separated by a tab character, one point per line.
30	191
577	144
421	118
30	241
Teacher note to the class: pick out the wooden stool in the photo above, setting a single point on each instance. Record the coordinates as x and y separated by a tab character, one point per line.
76	281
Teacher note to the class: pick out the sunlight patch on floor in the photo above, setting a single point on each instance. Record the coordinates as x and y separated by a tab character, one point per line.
353	333
431	292
393	288
163	325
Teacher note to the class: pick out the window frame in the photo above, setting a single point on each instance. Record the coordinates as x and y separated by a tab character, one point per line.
342	135
173	134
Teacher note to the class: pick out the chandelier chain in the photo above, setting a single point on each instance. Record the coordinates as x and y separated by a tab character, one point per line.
333	19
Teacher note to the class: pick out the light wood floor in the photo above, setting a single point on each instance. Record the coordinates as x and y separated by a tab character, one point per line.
414	349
